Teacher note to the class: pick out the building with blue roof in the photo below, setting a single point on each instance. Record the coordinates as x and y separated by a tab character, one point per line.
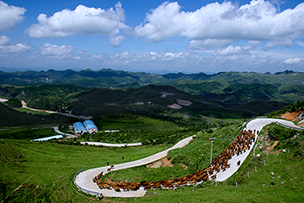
79	128
90	126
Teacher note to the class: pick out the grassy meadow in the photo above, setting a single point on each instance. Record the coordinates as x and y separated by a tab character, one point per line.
51	164
27	133
43	172
134	128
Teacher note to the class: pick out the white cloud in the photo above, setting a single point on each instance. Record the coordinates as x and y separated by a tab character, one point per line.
293	60
286	43
56	51
164	22
209	43
115	41
10	16
20	47
148	58
231	50
6	46
81	21
259	20
4	40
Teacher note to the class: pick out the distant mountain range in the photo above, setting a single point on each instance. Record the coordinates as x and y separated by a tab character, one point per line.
109	77
97	93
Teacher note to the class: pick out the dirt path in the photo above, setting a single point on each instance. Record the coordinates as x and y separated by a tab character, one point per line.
81	117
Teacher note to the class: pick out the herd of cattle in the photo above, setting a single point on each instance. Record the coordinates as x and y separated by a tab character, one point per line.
241	143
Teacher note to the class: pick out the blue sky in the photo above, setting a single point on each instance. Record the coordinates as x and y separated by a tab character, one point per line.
152	36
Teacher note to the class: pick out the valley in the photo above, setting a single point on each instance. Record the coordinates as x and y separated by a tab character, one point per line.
157	112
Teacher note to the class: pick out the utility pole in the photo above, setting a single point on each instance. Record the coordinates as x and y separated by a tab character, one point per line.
211	139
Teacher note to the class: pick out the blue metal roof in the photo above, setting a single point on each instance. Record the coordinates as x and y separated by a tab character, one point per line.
78	126
89	124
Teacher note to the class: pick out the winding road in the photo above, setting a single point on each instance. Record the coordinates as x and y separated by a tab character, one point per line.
84	181
112	145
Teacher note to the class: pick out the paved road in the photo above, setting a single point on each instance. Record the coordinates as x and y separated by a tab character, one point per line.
98	143
256	124
113	145
65	134
81	117
3	100
84	179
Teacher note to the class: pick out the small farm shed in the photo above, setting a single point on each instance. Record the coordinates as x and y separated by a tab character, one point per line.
90	126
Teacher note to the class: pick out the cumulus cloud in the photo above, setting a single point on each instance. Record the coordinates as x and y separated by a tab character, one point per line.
81	21
10	16
286	43
189	61
115	41
148	58
20	47
209	43
4	40
259	20
293	60
163	22
7	47
231	50
56	51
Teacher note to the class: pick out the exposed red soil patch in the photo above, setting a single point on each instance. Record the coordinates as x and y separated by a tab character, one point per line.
273	146
291	116
167	162
276	152
161	163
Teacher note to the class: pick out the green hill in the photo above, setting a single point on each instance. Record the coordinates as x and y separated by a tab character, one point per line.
112	78
10	117
44	171
89	92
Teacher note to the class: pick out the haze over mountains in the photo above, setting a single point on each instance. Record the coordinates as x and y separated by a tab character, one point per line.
109	77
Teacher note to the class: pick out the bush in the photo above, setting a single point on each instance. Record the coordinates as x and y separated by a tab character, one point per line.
14	103
281	133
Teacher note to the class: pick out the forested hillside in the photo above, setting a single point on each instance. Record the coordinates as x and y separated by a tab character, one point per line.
97	93
10	117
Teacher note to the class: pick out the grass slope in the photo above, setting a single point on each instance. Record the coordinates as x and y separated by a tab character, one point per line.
51	167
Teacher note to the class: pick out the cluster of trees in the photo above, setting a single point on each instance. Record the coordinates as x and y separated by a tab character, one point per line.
298	106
